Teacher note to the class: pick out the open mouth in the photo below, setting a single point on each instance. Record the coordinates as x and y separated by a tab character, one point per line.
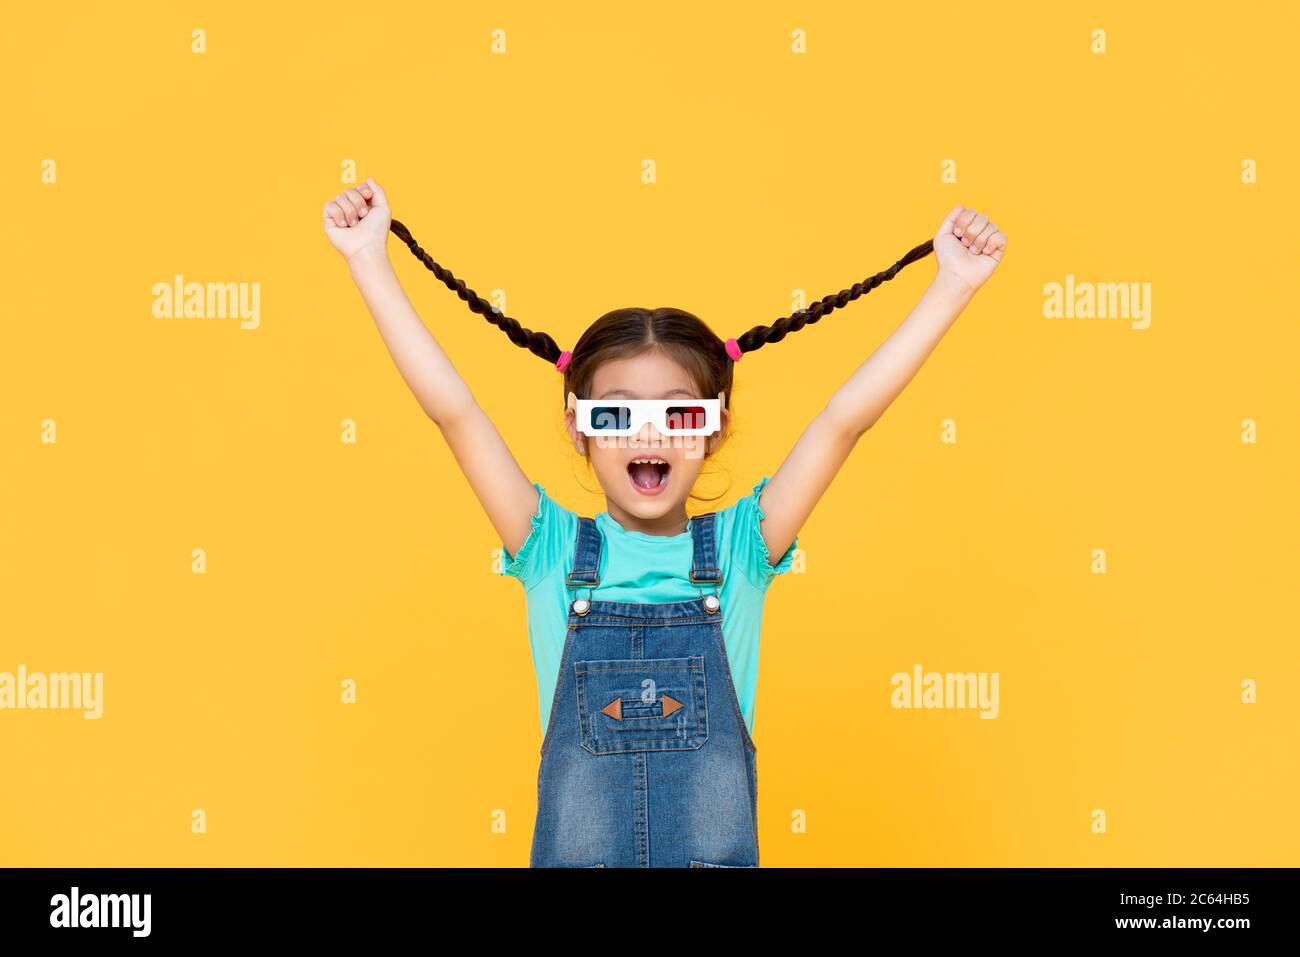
648	475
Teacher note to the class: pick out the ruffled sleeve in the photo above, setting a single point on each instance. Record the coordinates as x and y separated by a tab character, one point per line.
543	548
752	554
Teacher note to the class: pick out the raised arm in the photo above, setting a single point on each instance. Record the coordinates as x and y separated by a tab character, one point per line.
356	223
968	248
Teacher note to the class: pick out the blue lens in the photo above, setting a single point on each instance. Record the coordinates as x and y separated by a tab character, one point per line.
610	417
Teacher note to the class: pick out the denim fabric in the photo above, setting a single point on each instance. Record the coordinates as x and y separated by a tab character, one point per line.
647	761
638	567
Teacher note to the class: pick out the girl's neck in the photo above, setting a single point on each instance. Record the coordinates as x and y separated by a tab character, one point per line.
670	524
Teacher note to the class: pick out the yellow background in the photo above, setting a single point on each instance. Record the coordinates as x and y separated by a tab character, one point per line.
775	172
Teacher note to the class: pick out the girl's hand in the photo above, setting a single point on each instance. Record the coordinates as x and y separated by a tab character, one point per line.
968	247
357	219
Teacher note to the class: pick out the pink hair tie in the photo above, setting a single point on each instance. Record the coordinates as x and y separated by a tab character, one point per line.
734	350
562	363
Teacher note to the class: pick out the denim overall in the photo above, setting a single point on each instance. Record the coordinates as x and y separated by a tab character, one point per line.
646	761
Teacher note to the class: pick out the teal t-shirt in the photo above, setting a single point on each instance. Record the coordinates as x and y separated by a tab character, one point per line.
635	566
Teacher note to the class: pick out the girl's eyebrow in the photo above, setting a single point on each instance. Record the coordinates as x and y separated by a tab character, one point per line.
666	395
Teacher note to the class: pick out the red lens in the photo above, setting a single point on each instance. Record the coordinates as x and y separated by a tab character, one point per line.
686	417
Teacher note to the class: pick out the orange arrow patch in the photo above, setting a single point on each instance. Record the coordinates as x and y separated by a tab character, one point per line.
615	708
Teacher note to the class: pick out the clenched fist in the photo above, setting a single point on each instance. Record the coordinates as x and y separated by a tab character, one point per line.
357	219
968	246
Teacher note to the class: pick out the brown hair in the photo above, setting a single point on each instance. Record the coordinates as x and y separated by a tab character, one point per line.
628	332
683	337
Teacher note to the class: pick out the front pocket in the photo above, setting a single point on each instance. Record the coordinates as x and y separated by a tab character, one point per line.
642	704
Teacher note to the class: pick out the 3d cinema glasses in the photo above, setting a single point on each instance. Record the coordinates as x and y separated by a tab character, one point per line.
607	417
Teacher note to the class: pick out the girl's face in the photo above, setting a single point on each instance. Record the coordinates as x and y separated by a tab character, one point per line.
646	495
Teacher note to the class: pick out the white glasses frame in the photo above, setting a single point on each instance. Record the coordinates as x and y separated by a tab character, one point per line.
653	411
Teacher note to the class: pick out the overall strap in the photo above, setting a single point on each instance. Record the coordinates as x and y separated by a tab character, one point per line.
704	566
586	554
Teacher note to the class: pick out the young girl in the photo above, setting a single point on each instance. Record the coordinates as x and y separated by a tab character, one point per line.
644	621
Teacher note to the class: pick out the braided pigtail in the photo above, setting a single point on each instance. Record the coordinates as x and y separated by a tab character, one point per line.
758	336
538	343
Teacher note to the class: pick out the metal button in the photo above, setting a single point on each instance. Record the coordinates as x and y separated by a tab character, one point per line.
711	604
581	606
